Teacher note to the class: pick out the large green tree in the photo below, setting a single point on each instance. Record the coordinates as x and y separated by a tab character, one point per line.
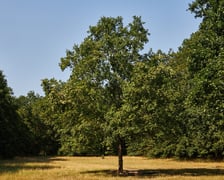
100	66
203	114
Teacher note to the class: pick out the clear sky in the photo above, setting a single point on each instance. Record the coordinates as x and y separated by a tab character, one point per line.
34	34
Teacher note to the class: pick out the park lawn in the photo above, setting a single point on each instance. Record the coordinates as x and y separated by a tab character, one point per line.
97	168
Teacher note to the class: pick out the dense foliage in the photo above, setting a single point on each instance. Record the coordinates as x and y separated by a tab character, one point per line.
13	137
121	100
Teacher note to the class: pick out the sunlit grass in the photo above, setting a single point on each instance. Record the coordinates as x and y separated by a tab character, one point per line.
96	168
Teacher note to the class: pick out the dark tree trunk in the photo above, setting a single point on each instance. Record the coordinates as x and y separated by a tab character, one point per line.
120	157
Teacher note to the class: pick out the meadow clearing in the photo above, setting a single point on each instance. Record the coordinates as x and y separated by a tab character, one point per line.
96	168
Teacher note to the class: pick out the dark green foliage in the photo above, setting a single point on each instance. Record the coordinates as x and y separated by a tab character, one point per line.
205	110
204	103
32	109
151	103
208	41
12	130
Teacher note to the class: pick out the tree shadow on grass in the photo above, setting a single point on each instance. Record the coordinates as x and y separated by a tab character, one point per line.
25	163
161	172
16	168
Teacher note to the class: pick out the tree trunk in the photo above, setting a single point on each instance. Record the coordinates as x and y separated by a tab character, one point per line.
120	158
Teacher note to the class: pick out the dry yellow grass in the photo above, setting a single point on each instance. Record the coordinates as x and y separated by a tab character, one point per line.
96	168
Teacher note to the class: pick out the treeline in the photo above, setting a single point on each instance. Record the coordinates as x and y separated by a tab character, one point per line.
117	97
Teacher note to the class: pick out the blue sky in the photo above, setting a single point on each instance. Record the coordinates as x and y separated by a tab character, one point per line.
35	34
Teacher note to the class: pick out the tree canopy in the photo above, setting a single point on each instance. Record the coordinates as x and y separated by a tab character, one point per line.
100	66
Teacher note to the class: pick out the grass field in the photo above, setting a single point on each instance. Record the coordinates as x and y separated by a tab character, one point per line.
96	168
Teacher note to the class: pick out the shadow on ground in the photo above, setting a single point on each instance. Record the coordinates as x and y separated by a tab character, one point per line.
161	172
27	163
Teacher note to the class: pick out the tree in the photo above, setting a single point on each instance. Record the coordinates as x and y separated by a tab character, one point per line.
204	54
100	66
32	111
12	135
205	105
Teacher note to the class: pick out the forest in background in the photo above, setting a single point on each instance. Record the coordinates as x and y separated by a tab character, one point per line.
119	99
